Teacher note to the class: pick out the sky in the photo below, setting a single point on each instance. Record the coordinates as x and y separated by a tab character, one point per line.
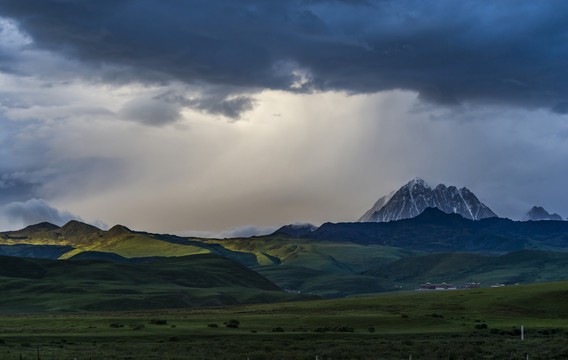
235	117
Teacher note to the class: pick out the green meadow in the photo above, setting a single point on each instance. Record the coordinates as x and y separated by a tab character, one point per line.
464	324
63	286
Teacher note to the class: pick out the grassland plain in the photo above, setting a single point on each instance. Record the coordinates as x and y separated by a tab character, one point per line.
465	324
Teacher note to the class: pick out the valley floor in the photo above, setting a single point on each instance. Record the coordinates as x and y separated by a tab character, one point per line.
463	324
291	346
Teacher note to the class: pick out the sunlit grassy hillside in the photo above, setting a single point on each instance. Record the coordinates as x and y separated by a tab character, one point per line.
333	257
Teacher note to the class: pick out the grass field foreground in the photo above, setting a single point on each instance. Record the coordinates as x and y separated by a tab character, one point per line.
465	324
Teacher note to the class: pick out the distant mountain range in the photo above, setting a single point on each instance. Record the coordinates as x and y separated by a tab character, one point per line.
436	231
416	196
334	260
405	242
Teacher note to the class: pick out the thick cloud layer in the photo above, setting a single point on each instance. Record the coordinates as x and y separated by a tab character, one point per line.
19	214
449	51
126	110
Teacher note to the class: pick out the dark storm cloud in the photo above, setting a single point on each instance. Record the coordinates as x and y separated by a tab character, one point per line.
13	187
212	102
231	108
450	52
150	112
36	166
34	211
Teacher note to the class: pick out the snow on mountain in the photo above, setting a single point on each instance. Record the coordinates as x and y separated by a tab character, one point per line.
368	216
415	196
538	213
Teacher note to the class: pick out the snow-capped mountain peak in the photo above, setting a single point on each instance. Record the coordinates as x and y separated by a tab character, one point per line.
538	213
417	182
416	195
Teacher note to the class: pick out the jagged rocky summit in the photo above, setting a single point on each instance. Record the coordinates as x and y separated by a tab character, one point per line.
414	197
538	213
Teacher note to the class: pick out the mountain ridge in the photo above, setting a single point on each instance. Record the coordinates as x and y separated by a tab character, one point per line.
436	231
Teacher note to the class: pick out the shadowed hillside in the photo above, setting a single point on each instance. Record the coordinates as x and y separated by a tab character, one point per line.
38	285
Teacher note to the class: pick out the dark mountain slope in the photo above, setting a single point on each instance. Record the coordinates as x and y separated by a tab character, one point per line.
436	231
296	230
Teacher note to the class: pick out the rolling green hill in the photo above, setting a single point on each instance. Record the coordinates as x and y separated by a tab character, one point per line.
39	285
327	269
323	283
321	268
408	273
525	267
342	258
336	260
76	237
